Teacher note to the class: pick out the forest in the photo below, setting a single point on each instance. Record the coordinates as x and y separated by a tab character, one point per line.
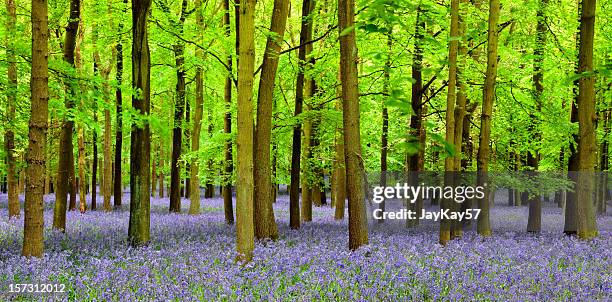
217	150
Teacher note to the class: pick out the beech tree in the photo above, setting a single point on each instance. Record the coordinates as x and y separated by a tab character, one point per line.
245	182
140	148
265	226
586	225
484	225
65	169
33	240
358	229
11	99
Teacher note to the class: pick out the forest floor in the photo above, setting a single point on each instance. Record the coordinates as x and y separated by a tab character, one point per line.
191	258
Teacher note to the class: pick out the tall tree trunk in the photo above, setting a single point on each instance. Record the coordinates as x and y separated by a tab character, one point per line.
358	228
414	161
339	162
265	225
459	113
11	99
33	240
586	225
179	107
65	169
228	208
569	226
140	148
117	181
534	221
244	185
384	138
80	127
294	194
449	161
604	163
162	163
108	162
194	206
484	225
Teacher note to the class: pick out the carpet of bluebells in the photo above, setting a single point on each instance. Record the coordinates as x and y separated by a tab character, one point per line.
191	258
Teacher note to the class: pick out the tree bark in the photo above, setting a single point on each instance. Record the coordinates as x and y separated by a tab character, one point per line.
194	206
484	225
586	225
339	163
117	181
294	194
414	161
140	148
245	181
228	208
179	108
265	224
534	221
11	99
33	240
65	168
358	228
449	161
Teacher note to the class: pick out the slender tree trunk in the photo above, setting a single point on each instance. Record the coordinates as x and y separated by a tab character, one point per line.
484	225
294	194
265	225
459	113
339	165
227	124
245	181
140	148
358	228
194	206
162	161
384	139
414	161
33	240
154	159
534	221
82	183
179	107
586	226
569	227
449	162
108	162
11	99
117	181
65	169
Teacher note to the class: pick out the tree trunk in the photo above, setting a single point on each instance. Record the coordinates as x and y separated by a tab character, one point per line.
569	227
117	181
384	138
11	98
459	116
179	107
339	163
194	206
245	181
33	240
534	221
414	161
484	225
449	161
586	225
228	208
294	194
358	228
65	169
265	225
140	148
